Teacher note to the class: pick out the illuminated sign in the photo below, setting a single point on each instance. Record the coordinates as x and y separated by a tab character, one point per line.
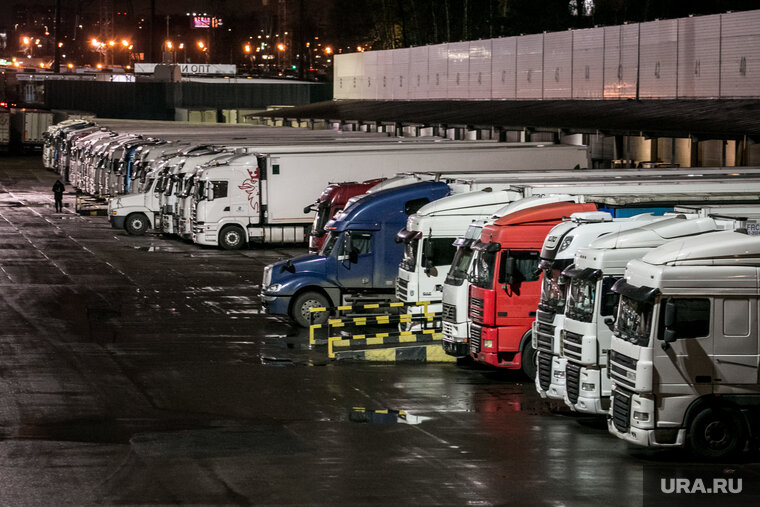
206	22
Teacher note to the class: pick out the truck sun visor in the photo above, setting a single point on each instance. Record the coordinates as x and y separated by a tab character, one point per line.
407	235
642	293
582	274
486	247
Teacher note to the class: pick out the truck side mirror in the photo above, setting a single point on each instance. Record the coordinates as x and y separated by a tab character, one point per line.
510	267
430	269
307	209
610	322
668	337
670	313
353	256
209	191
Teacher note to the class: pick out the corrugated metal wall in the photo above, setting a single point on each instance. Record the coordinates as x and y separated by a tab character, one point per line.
696	57
158	100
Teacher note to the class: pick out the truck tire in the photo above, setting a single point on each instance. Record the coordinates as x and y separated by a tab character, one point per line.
231	237
136	224
528	359
717	433
304	302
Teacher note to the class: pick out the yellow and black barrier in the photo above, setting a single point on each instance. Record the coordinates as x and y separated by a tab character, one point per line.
365	306
390	338
388	415
372	320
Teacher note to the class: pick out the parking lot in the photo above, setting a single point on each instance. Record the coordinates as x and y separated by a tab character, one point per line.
142	370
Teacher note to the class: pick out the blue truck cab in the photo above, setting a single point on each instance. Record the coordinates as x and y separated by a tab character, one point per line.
360	257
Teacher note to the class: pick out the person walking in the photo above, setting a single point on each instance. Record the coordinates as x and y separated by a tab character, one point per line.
58	189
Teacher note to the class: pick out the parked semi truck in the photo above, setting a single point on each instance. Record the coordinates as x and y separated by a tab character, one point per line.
505	284
684	357
591	303
253	199
359	258
333	199
558	252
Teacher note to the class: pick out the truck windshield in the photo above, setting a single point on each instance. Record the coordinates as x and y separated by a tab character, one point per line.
321	218
552	293
580	299
482	273
634	321
329	245
410	255
459	266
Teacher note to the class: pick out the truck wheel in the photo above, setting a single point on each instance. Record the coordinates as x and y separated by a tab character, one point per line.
528	359
302	305
136	224
716	433
231	238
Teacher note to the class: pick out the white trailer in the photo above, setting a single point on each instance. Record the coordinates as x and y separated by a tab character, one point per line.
5	129
28	127
685	357
264	193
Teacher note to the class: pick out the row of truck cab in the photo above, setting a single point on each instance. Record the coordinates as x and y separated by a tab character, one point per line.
631	294
528	277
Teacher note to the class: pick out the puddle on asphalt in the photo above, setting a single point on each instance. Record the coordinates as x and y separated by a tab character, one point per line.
385	416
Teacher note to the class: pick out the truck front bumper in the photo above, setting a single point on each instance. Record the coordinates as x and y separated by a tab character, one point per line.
117	222
275	304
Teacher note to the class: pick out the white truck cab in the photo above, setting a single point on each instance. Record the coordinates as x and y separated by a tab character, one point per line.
558	253
591	303
429	238
685	354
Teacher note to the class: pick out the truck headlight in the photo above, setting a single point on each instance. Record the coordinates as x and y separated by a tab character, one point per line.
488	344
559	374
640	416
631	375
274	288
586	386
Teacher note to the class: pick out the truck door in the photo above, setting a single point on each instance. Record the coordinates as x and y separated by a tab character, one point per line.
516	304
736	343
356	264
687	361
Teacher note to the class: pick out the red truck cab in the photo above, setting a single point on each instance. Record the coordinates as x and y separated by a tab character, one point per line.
334	197
506	284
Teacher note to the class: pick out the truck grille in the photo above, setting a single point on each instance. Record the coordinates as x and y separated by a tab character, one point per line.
621	409
476	309
449	313
544	316
475	339
448	332
620	365
544	370
402	289
572	345
572	381
545	336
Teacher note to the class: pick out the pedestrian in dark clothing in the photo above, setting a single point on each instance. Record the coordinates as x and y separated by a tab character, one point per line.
58	193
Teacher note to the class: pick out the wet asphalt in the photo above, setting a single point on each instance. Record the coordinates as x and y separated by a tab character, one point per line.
141	370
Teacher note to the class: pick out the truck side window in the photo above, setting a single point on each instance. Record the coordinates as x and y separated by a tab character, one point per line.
692	317
220	189
610	299
361	243
442	251
526	263
413	206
